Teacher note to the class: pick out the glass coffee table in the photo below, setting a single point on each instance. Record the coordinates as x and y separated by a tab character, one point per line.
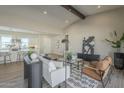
75	64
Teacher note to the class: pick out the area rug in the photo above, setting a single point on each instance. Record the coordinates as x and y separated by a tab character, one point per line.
78	81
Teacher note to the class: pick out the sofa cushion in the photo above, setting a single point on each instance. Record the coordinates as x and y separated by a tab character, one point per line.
52	66
42	54
92	73
49	63
58	64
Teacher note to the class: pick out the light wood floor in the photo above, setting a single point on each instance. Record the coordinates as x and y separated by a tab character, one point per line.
12	76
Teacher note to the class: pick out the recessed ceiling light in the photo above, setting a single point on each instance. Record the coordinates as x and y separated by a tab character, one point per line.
44	12
66	21
99	6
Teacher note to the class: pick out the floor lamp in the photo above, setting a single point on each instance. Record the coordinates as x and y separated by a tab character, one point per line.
65	41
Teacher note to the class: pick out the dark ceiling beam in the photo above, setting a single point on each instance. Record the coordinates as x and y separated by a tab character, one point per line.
74	11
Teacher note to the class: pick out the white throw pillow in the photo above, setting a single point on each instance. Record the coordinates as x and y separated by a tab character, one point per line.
52	66
34	56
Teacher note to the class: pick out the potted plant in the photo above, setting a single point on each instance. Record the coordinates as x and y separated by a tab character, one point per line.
31	50
118	57
117	42
69	56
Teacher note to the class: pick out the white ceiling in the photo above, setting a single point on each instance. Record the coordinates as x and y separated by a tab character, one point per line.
32	16
55	16
93	9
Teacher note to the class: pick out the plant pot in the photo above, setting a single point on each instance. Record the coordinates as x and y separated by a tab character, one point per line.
119	60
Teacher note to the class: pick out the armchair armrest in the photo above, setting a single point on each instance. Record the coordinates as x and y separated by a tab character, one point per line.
58	75
60	70
91	67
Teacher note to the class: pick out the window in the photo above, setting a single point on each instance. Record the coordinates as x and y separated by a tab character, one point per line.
24	43
5	42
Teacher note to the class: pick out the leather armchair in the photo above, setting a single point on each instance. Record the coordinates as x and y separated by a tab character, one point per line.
98	70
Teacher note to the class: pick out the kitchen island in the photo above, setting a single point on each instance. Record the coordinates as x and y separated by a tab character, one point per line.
8	56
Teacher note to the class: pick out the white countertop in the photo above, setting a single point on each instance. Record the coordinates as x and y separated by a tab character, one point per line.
6	51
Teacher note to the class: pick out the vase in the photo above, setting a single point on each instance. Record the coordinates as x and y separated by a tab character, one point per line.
119	60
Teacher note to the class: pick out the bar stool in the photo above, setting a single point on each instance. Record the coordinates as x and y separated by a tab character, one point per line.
5	55
1	60
18	56
7	58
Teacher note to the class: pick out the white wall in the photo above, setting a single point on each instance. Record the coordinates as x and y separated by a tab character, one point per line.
46	44
57	46
101	26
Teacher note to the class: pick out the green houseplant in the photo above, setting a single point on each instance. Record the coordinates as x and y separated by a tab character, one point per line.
116	43
30	51
68	55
